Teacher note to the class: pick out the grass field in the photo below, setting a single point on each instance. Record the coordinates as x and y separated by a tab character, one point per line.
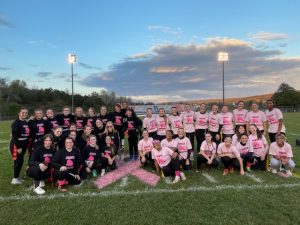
204	198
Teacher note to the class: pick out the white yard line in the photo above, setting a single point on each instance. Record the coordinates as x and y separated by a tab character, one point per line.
218	188
254	178
210	178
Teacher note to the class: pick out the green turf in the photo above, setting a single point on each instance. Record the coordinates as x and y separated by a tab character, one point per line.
227	206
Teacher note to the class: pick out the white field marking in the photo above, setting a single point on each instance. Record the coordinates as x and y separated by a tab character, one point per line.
149	191
124	182
210	178
293	134
254	178
3	141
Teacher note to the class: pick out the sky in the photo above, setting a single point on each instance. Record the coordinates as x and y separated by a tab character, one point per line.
152	50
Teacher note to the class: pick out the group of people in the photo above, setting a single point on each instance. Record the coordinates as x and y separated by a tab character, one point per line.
67	147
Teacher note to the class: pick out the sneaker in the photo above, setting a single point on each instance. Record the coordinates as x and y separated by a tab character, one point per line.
102	172
248	169
38	190
182	176
288	172
94	172
274	171
225	172
176	180
42	183
16	181
168	180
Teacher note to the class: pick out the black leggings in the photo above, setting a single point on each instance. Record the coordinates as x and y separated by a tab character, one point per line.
213	135
200	137
259	164
18	158
149	160
183	165
133	144
201	159
153	135
66	175
191	136
230	162
160	137
247	158
171	168
37	175
105	165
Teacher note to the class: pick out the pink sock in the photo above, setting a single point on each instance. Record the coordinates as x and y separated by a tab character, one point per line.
177	173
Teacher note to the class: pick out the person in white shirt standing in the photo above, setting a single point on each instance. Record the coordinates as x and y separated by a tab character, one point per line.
201	125
275	120
188	120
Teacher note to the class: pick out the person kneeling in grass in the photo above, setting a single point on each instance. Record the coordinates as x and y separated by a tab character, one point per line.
92	157
230	157
145	146
246	151
40	164
168	161
281	155
109	153
66	162
207	153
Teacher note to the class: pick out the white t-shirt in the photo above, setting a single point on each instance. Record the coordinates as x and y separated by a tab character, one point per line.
214	121
208	149
169	144
201	120
283	152
188	121
162	125
150	124
273	118
257	118
183	145
222	149
175	123
244	149
239	116
258	145
163	157
227	122
145	145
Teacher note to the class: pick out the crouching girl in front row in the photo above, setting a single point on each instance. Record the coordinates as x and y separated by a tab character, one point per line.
230	157
66	162
168	161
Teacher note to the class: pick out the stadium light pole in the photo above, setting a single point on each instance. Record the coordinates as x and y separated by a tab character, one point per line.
222	57
72	60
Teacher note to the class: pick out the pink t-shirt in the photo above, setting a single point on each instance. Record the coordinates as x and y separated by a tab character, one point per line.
244	149
214	120
183	145
163	157
175	123
145	145
222	149
201	120
209	149
283	152
227	122
273	118
150	124
162	125
257	118
239	116
234	139
258	145
169	144
188	121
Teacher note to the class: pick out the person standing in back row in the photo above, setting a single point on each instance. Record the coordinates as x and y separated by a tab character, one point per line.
275	120
19	143
188	121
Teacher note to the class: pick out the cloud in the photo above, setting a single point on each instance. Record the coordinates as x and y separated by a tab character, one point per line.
44	74
42	43
89	67
177	32
192	71
4	22
4	68
269	36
